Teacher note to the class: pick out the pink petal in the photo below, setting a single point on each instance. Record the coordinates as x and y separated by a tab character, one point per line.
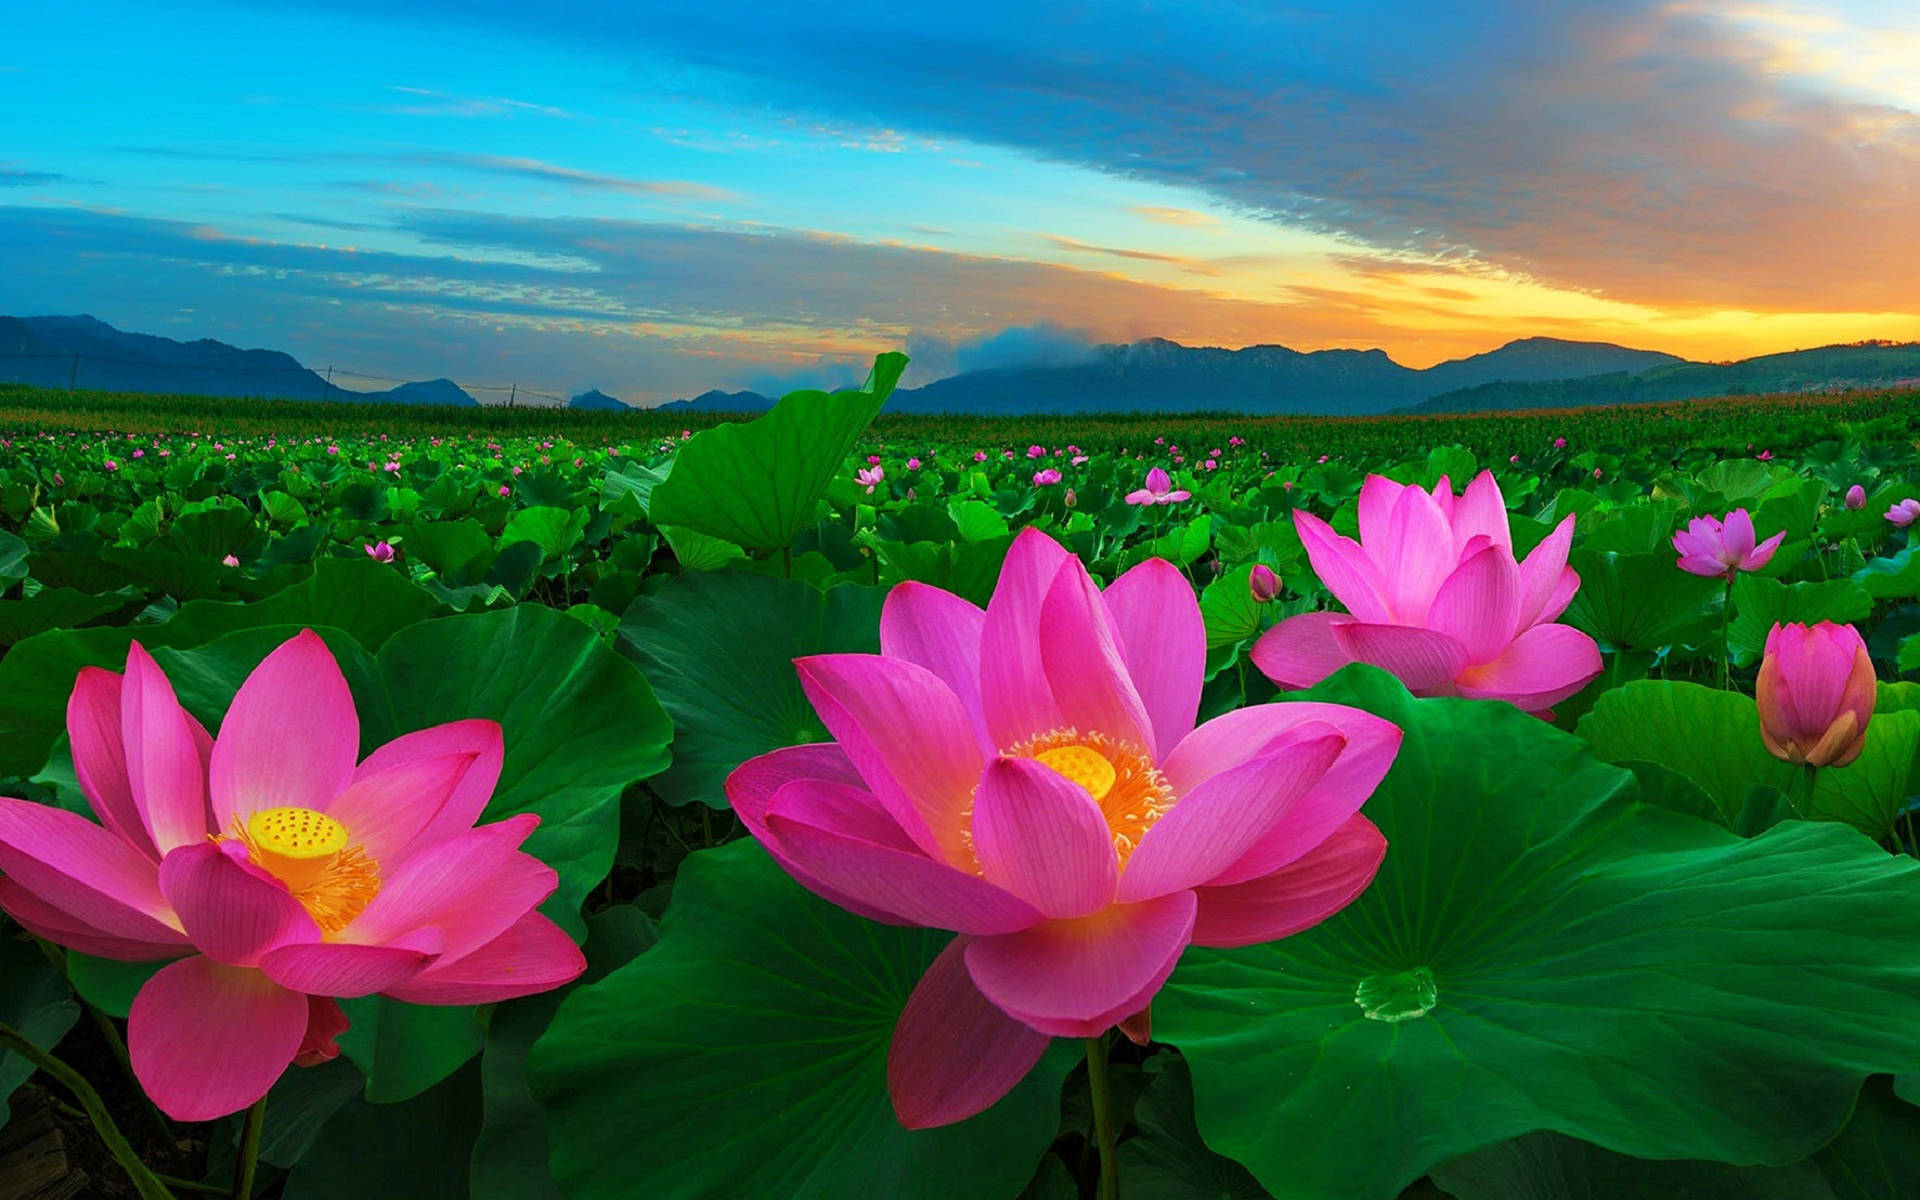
1737	534
81	869
291	737
478	737
1211	827
99	761
1300	651
208	1039
808	819
1479	604
908	735
1343	566
1557	599
938	630
1699	564
468	887
1157	618
534	955
1075	977
1763	553
1014	691
1544	666
1416	557
41	919
385	810
1297	897
1042	837
344	970
233	911
753	784
1482	510
165	773
1422	659
953	1053
1378	495
1086	670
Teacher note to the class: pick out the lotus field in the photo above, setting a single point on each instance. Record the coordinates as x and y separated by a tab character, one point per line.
826	805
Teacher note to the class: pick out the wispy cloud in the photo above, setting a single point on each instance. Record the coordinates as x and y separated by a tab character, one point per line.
426	102
1185	217
11	176
1198	266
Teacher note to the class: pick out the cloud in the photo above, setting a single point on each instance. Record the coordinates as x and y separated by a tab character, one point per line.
1198	266
1646	150
1185	217
429	103
20	177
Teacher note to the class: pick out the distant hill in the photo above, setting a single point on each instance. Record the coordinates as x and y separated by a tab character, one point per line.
1794	371
596	400
43	350
1157	375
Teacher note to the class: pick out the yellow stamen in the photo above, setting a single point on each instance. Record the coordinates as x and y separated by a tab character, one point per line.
1120	776
314	855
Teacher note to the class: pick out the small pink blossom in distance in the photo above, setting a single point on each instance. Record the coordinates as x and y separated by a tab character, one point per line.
1815	692
1765	456
1596	472
1717	549
139	454
1036	452
873	460
1322	458
1070	825
1263	583
229	561
333	449
112	465
870	477
1513	458
1559	443
505	490
1159	489
979	456
277	871
1904	513
913	464
1436	597
1070	499
1856	497
1078	459
379	551
1046	477
1236	440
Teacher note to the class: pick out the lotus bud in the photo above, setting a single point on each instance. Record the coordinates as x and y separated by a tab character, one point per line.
1856	497
1815	693
1264	583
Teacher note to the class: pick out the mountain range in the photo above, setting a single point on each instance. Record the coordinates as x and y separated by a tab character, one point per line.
1151	375
87	352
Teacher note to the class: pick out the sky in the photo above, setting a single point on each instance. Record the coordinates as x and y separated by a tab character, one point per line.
664	197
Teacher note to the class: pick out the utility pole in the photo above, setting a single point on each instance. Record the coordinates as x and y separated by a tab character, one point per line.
74	374
512	395
327	393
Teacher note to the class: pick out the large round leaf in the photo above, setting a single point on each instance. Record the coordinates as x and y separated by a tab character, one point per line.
756	485
745	1055
1542	951
719	649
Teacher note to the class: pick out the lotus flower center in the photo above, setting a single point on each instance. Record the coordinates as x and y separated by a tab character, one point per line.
1120	776
1087	767
314	855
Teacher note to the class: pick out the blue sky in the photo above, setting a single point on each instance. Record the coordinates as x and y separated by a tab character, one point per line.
660	198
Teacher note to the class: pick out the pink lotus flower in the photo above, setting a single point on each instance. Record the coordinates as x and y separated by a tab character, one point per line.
1434	596
913	464
1046	477
1816	693
1904	513
1856	497
1263	583
870	477
979	456
505	490
1030	777
277	871
230	561
1715	549
1036	451
1159	489
379	551
1559	443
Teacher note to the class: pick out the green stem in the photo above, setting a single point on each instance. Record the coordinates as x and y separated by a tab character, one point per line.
1726	636
1102	1092
192	1185
145	1182
1800	792
249	1151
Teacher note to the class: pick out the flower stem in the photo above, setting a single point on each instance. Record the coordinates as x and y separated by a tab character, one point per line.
1102	1092
1802	789
1726	637
249	1151
145	1182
